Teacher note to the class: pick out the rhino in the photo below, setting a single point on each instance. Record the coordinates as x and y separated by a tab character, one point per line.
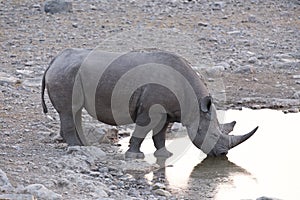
148	87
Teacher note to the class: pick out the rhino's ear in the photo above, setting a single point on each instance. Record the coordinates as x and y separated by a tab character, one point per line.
206	104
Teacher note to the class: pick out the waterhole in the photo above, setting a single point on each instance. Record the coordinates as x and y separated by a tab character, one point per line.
267	164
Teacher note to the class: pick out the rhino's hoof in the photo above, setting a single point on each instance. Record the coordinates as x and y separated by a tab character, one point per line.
134	155
162	153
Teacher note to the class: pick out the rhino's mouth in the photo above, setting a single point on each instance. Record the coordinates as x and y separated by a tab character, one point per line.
227	142
219	154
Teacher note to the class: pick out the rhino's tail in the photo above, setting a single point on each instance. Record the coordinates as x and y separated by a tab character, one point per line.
45	110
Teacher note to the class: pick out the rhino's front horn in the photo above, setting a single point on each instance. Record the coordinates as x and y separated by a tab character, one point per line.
235	140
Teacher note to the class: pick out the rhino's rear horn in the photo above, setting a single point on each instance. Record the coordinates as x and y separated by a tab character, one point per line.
236	140
227	128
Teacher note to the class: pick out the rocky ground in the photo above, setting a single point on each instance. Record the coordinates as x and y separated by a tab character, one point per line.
249	52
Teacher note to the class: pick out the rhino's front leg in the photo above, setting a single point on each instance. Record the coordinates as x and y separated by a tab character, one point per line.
159	139
135	142
134	148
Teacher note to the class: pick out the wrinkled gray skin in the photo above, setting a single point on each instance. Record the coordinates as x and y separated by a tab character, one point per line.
59	81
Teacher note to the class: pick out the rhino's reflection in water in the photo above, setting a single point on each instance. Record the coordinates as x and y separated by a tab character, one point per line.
216	178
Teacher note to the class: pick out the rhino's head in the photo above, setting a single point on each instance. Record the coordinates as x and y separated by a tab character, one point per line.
211	137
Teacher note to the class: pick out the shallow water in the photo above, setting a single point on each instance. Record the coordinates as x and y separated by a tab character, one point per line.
267	164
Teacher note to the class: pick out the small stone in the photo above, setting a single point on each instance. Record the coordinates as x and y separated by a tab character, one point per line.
176	127
93	7
215	71
245	69
103	170
218	5
256	107
285	111
252	60
133	193
234	32
296	76
162	192
158	186
63	183
75	25
296	95
127	177
37	6
113	187
250	53
204	24
225	17
252	19
95	174
124	133
289	60
226	65
267	198
293	110
232	62
29	63
57	6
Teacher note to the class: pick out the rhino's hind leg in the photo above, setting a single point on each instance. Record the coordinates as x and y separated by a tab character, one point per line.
68	128
159	139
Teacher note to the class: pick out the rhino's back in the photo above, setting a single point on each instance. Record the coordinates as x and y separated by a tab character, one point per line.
126	69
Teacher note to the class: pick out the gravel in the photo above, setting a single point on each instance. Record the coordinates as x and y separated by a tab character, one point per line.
249	52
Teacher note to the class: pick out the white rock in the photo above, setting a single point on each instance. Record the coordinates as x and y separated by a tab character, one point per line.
296	76
33	82
17	196
215	71
162	192
3	179
4	182
91	152
6	78
252	60
24	72
177	127
41	192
